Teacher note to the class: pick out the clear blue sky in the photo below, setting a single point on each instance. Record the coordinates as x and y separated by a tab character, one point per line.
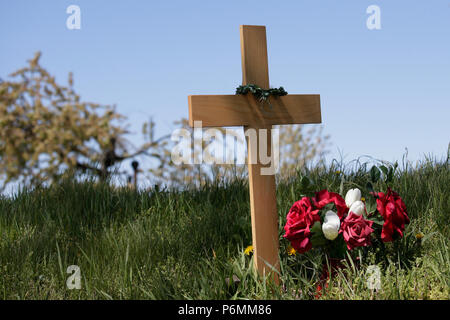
381	90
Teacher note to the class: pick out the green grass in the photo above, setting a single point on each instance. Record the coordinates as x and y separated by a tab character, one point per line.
161	244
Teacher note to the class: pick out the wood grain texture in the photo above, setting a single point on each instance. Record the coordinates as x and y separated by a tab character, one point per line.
263	201
255	66
264	214
245	110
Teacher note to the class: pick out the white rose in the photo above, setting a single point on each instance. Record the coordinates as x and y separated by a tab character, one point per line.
352	196
357	208
330	226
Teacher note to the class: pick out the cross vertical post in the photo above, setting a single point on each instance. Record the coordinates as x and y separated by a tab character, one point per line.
263	202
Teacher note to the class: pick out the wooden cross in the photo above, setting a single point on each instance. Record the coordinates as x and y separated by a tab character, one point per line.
245	110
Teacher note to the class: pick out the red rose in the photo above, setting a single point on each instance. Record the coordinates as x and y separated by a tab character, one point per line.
393	210
356	231
324	197
299	220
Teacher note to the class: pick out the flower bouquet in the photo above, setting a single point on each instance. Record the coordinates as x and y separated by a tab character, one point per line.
338	225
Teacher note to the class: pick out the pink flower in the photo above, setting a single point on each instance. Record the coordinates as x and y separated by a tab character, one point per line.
300	219
393	210
325	197
356	231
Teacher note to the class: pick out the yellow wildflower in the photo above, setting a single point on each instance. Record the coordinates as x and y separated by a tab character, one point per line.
419	236
248	250
291	251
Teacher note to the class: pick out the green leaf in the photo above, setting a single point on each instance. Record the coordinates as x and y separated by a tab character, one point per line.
384	169
369	186
377	220
317	237
375	174
317	227
318	240
338	248
371	207
390	175
305	182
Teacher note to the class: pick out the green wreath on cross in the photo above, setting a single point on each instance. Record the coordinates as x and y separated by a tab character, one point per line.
260	93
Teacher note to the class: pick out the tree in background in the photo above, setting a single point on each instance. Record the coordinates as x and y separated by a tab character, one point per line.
299	147
45	131
182	174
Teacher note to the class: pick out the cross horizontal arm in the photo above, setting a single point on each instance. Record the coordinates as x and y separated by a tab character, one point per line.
245	110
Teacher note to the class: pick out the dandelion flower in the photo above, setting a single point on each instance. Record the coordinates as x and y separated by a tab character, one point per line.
248	250
291	251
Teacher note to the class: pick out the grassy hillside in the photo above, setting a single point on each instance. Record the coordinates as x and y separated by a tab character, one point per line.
161	244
